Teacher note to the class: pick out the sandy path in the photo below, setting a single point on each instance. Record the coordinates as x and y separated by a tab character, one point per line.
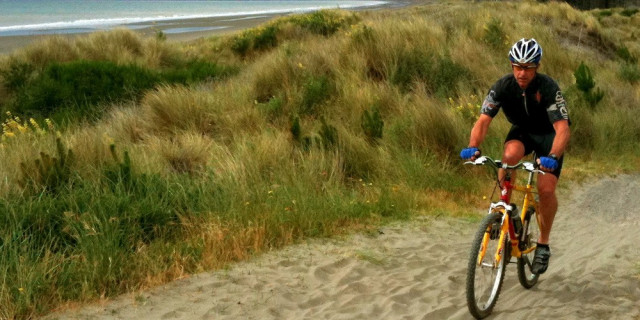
417	271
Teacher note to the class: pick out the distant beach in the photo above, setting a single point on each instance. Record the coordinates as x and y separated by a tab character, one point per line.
177	29
193	29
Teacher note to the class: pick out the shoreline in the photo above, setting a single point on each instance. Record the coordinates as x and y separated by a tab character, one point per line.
180	30
193	29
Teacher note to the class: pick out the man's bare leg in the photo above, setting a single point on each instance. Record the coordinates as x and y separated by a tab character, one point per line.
548	204
513	152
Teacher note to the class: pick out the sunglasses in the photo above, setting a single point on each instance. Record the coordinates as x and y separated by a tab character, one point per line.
520	67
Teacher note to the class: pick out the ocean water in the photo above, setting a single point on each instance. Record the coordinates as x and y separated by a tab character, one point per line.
32	17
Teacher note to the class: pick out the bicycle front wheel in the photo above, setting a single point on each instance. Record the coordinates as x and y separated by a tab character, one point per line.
531	230
487	266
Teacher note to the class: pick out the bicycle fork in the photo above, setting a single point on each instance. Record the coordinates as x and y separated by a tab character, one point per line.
517	240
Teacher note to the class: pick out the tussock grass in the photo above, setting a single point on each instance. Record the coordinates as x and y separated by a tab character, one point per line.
257	140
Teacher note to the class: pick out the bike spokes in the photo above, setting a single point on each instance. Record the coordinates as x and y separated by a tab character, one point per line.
532	231
486	266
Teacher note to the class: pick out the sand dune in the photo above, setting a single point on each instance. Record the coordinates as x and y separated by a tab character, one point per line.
417	270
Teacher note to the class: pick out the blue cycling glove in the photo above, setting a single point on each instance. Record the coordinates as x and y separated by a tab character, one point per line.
549	162
468	153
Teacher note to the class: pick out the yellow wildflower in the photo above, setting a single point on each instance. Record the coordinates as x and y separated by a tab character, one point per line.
49	123
34	123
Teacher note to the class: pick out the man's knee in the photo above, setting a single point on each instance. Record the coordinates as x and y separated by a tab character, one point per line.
547	186
513	152
546	193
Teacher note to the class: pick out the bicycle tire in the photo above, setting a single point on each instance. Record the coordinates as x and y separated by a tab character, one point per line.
481	300
527	278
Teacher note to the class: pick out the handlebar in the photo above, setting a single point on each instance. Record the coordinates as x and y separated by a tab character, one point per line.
497	164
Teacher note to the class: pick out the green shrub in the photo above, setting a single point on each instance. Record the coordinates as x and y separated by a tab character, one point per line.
241	44
446	76
316	90
411	65
121	172
272	109
48	174
586	83
266	38
75	89
624	54
372	124
605	13
196	71
82	84
628	12
594	97
584	79
328	135
303	141
363	35
16	75
322	22
493	34
629	72
295	129
439	74
255	39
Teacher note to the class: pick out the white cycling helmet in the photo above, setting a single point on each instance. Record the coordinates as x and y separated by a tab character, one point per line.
526	51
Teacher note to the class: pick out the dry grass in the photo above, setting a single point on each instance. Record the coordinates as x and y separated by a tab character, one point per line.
121	46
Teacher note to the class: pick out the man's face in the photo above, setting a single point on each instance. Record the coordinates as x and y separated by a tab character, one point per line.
524	73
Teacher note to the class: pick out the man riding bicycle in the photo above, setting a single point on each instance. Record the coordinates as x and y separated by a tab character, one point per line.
534	105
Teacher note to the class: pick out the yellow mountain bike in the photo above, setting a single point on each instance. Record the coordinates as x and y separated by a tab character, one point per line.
504	233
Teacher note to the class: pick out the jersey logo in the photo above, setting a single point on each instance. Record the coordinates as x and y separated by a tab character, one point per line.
560	105
489	105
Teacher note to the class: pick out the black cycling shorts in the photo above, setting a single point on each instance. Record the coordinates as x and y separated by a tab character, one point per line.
540	143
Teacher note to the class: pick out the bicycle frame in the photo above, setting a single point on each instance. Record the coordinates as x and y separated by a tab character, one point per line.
490	253
503	206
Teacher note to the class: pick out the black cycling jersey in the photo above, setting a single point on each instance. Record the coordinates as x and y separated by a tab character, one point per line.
534	109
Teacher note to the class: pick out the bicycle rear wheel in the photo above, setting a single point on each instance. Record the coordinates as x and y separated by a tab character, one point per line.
484	273
531	229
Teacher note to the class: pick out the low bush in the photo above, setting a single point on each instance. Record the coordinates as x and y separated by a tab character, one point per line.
76	89
255	40
411	65
629	72
440	74
82	84
196	71
16	74
586	84
328	135
316	90
324	23
624	54
48	173
628	12
372	124
494	36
